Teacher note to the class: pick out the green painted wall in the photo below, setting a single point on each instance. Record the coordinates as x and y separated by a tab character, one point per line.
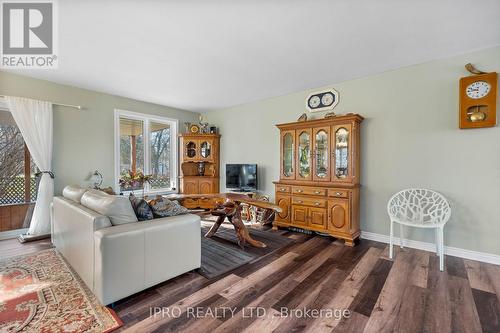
410	138
83	140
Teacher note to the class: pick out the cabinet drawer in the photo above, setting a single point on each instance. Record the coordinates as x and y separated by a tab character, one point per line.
338	193
282	189
308	202
308	190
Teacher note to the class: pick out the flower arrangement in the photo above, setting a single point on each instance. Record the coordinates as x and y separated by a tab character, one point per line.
134	180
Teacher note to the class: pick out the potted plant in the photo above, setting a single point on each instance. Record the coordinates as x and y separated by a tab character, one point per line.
134	180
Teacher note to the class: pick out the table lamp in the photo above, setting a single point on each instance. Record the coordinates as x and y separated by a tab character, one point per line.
96	179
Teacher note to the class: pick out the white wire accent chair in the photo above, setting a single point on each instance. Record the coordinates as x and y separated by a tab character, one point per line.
421	208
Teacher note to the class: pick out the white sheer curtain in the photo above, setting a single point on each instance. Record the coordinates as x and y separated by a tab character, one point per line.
34	120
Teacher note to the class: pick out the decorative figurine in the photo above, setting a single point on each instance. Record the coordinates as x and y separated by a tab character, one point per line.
303	117
203	126
201	168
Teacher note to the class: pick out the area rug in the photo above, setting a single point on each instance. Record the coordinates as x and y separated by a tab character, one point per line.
40	293
221	254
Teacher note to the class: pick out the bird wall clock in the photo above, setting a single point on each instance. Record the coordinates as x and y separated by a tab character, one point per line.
478	99
322	101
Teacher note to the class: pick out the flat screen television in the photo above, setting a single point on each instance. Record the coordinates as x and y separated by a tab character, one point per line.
241	177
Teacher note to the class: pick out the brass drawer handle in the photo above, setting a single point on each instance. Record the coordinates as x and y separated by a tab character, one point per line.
317	192
299	201
338	193
282	189
300	191
317	203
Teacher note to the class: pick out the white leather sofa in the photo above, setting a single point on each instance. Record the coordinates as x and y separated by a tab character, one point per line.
116	261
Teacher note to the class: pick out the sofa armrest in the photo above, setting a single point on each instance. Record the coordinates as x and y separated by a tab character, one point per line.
73	229
135	256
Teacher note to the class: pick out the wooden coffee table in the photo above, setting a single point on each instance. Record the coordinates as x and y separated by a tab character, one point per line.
229	206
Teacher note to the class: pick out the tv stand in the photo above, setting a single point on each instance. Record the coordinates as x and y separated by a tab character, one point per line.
243	191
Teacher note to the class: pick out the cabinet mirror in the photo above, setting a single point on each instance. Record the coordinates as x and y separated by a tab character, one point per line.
321	154
288	154
341	153
304	155
205	148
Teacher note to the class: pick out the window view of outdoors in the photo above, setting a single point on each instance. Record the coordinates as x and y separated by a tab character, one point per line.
132	148
159	140
17	180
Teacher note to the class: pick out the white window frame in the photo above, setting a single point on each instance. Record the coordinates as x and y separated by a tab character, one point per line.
146	119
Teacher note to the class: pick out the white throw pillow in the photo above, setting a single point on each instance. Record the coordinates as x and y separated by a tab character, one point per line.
74	193
118	208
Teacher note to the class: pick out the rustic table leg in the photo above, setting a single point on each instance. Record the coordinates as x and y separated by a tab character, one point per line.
215	226
242	231
232	210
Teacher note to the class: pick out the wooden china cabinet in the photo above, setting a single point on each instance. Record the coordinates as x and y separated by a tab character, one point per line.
199	168
319	184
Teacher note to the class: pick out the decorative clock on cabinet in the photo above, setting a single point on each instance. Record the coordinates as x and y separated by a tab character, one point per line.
322	101
194	129
478	99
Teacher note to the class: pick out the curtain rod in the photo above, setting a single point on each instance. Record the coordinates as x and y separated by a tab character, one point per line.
79	107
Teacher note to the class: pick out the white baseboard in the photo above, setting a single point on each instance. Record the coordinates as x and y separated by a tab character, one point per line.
431	247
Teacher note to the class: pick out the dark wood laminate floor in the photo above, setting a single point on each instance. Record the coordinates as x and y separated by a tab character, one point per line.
407	294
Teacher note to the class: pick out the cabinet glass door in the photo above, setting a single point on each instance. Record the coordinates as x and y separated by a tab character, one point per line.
342	152
205	149
304	154
321	154
190	149
288	155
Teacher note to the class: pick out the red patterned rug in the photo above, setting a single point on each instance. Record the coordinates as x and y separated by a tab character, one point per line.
41	293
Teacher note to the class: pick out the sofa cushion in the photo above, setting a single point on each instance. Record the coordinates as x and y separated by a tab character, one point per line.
74	192
98	192
116	207
162	207
141	208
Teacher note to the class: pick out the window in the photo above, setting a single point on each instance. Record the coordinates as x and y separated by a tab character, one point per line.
17	170
146	144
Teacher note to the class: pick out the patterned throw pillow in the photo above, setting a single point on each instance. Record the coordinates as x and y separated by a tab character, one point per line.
162	207
141	208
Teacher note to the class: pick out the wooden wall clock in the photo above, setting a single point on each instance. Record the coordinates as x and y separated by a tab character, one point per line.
478	99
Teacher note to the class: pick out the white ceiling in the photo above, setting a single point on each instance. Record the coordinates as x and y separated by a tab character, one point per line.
203	55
